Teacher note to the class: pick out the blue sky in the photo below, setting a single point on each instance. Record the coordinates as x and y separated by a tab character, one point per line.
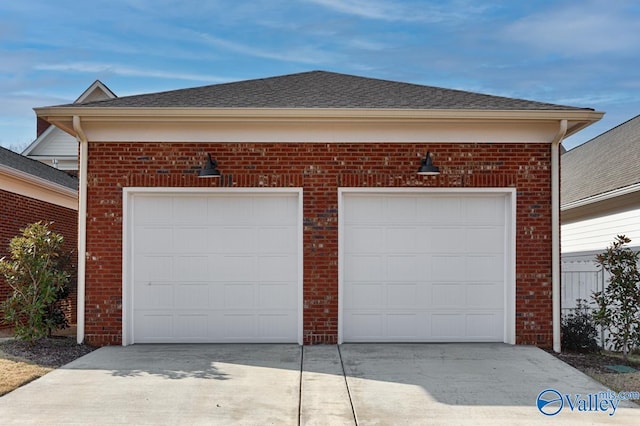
581	53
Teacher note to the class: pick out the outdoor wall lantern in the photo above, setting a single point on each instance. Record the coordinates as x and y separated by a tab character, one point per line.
427	167
210	169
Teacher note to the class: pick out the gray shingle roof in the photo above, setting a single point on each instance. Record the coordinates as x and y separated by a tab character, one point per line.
321	89
605	163
36	168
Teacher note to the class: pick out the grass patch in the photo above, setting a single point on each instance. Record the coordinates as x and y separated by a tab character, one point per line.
15	372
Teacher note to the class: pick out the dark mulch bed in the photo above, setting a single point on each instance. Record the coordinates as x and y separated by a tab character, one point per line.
595	362
50	351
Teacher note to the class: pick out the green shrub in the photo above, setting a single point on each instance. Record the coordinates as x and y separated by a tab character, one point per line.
619	303
36	273
579	332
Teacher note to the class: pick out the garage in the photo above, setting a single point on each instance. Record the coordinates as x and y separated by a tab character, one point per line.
429	265
212	266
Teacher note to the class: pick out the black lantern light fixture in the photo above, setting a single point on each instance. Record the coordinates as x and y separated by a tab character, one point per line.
427	168
210	169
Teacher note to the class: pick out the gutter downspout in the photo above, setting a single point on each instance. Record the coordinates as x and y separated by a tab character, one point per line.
555	232
81	137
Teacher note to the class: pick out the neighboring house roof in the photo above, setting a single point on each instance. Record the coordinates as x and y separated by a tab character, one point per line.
607	164
57	148
15	161
321	89
30	178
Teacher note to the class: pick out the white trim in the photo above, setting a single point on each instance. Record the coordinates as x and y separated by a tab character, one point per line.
128	195
601	197
28	185
82	228
510	245
136	118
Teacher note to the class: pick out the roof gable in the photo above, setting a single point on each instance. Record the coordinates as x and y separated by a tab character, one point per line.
53	142
603	164
321	89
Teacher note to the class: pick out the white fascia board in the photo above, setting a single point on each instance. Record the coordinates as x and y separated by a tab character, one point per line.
31	186
62	116
601	197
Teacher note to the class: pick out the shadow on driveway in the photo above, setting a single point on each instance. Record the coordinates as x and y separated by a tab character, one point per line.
311	385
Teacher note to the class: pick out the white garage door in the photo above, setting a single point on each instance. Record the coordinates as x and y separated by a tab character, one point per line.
425	267
214	267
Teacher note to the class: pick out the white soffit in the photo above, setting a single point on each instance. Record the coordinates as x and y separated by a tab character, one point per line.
344	125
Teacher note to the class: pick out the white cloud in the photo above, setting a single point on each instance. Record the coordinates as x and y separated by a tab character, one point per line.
305	55
395	10
593	27
94	68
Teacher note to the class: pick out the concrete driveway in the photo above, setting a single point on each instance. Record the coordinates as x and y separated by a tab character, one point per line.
368	384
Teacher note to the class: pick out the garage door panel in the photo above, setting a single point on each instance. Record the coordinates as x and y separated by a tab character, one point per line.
424	267
233	268
275	296
153	295
447	326
366	296
230	211
402	296
227	272
402	326
446	210
191	268
276	268
447	295
191	295
399	239
484	295
153	239
448	239
484	326
363	268
273	212
153	211
449	268
155	326
365	209
239	327
275	326
153	268
485	240
404	267
485	211
189	210
277	240
364	240
485	268
188	240
364	326
401	209
191	326
238	296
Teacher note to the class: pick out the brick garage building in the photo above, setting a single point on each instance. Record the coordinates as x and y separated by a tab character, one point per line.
30	192
318	228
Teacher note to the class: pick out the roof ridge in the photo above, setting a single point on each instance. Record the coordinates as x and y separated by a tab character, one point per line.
323	89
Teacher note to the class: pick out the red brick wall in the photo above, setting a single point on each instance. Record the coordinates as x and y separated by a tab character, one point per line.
319	168
17	212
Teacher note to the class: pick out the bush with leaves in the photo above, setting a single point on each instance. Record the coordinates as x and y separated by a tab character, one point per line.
36	272
619	303
579	333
